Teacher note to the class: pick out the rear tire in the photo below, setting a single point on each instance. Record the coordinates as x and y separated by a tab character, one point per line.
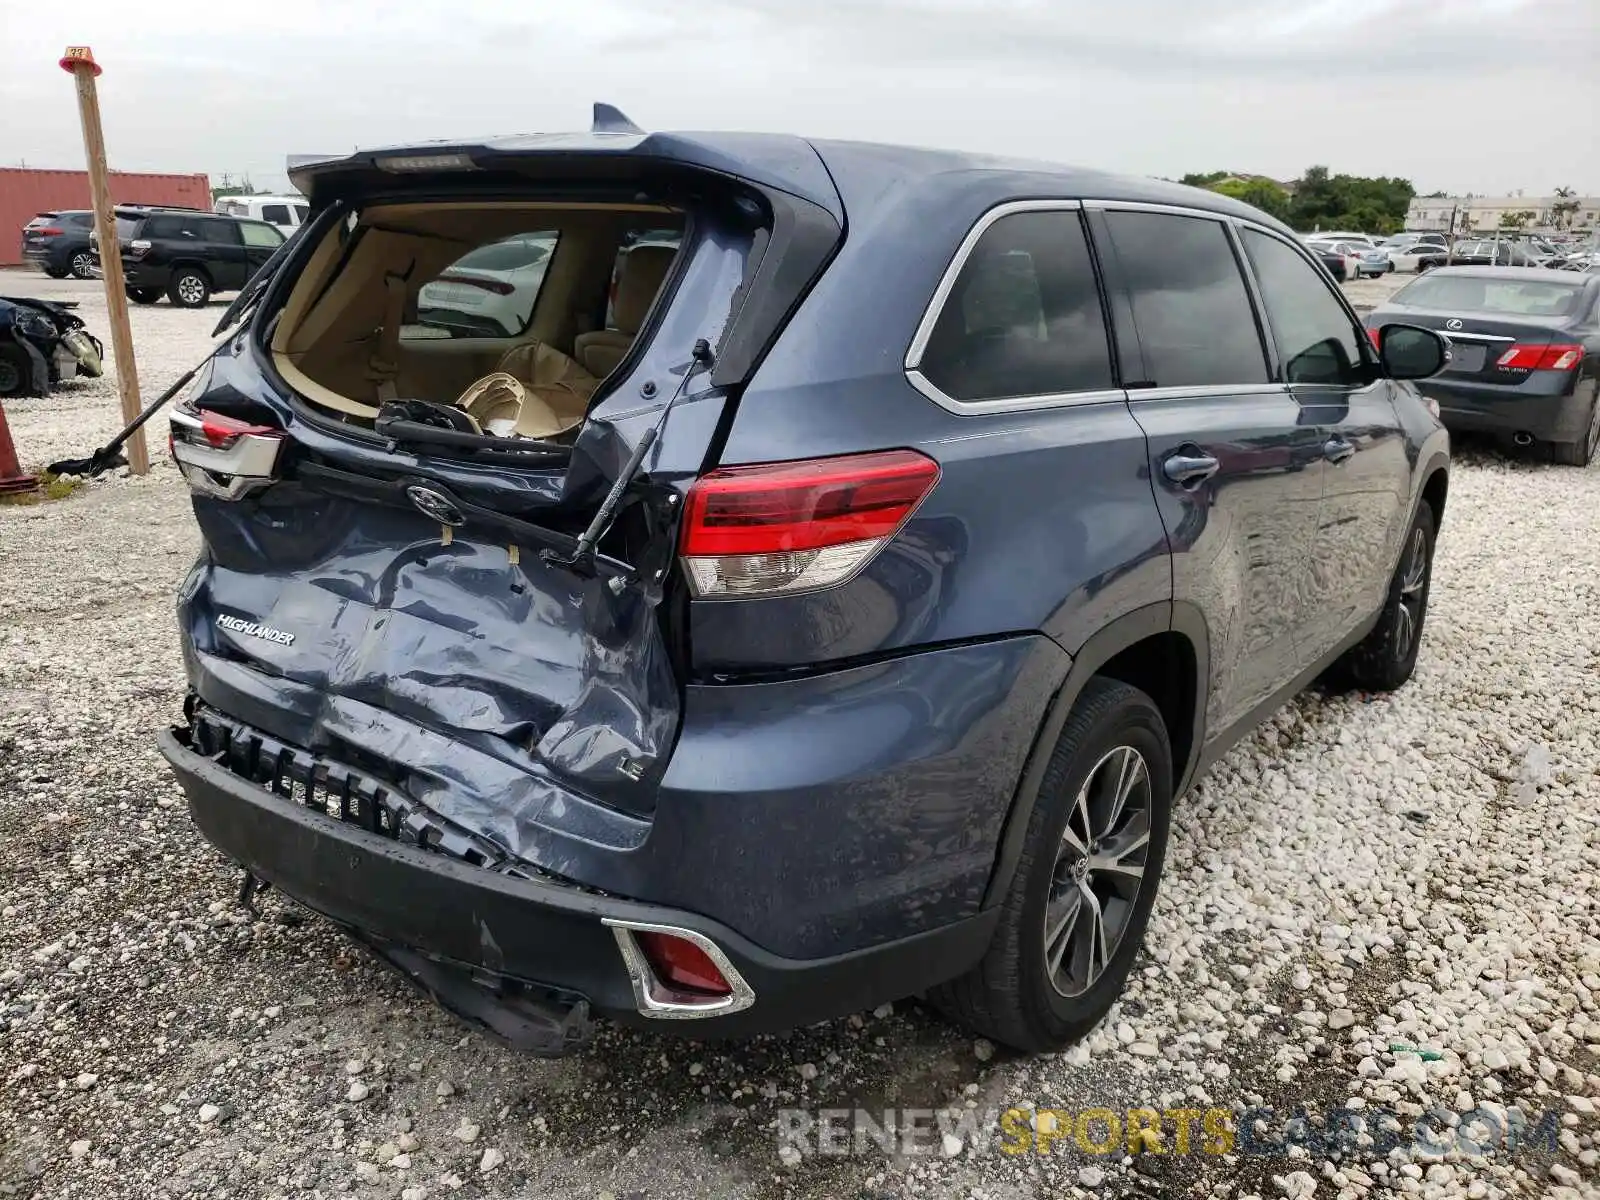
1090	866
189	288
144	295
82	265
55	272
1581	452
1384	659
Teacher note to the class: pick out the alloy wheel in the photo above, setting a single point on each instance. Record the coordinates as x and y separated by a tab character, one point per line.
82	264
1412	584
191	290
1099	870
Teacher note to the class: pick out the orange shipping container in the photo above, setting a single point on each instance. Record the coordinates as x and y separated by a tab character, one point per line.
25	193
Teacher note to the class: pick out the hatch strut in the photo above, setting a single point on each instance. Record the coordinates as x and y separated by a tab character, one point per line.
581	559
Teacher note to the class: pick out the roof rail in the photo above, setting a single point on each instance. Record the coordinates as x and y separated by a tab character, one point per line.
610	119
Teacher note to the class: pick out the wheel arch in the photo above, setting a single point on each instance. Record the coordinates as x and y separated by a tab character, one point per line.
1164	650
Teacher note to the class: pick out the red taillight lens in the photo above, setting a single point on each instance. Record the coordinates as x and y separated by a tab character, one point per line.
49	231
498	286
787	527
683	965
222	431
1541	358
1377	338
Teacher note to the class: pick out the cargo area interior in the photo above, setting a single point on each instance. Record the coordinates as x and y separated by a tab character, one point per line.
514	312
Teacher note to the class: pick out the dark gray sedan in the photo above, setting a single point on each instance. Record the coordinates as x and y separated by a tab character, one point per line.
1525	354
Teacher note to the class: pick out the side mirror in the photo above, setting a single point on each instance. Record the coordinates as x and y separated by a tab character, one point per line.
1411	352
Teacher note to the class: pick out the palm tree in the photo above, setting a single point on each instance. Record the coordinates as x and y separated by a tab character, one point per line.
1566	204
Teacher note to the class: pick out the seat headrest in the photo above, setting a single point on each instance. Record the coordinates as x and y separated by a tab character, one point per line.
643	270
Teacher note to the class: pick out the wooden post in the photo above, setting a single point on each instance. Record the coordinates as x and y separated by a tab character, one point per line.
79	63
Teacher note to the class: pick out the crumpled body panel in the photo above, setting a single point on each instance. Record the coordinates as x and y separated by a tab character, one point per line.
509	696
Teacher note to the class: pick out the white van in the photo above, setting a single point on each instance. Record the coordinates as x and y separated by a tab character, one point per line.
288	213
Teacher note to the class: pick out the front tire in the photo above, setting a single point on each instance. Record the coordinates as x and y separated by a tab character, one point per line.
1077	906
55	272
144	295
1384	659
16	372
189	288
82	265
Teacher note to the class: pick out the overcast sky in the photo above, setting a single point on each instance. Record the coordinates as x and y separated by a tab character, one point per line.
1459	95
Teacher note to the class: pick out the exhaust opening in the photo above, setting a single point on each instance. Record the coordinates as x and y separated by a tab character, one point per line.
1522	438
678	974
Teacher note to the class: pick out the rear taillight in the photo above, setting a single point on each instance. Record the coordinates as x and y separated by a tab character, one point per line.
1377	338
790	527
222	456
1541	358
498	286
49	231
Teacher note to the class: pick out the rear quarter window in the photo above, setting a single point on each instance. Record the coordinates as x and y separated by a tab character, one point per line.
1023	316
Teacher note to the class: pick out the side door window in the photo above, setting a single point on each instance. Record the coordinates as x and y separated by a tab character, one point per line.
224	250
1196	325
1024	317
276	214
1317	342
260	234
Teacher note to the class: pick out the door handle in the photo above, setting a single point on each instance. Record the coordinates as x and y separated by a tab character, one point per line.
1336	450
1189	470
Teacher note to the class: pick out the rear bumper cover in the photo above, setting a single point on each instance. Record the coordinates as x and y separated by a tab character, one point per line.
462	931
1507	410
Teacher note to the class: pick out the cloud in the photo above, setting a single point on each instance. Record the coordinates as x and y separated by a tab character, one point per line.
1476	94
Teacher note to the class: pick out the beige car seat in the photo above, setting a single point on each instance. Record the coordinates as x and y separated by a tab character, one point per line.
535	391
644	269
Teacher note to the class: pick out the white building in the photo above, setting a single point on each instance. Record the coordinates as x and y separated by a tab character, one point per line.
1485	213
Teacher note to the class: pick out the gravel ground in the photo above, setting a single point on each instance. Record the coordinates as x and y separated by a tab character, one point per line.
1372	903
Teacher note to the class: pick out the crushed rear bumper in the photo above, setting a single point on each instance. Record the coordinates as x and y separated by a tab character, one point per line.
525	958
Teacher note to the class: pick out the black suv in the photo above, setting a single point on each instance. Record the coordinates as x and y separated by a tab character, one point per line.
187	255
57	243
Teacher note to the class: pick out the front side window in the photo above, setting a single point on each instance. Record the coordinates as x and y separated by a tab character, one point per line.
1196	325
1024	316
488	292
1317	342
278	214
259	233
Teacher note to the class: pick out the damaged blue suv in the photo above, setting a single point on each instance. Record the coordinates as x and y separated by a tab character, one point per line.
721	582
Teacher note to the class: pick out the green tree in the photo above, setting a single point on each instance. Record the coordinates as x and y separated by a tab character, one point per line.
1517	220
1262	193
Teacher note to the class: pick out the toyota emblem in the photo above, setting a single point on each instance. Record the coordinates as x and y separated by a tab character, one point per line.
434	504
1453	323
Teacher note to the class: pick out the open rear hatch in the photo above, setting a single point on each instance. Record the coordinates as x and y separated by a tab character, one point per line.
481	610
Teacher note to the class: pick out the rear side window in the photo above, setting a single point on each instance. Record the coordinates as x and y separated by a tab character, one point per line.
1024	316
1195	322
224	230
1317	342
278	214
488	292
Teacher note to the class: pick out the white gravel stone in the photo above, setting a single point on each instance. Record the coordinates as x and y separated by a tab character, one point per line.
209	1113
1425	859
491	1160
358	1092
467	1131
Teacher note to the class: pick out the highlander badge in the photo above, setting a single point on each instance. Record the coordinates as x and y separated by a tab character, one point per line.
251	629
